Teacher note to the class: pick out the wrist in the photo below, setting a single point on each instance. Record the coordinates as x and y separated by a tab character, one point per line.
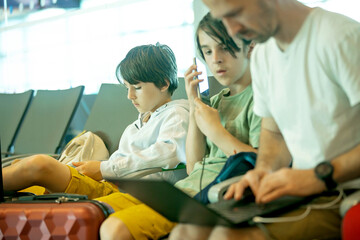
264	167
217	133
325	171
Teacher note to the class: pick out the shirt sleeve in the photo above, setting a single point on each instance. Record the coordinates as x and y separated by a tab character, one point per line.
346	67
254	128
257	68
167	151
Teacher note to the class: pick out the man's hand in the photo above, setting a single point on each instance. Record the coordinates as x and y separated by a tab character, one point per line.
251	179
268	186
287	181
90	169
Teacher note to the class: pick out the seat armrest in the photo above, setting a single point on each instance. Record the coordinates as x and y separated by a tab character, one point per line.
177	173
216	192
143	172
349	202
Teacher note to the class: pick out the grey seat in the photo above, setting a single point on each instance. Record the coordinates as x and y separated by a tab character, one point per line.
13	108
111	113
47	121
180	92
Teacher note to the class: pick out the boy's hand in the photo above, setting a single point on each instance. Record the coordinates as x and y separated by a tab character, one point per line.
207	118
191	84
90	169
16	161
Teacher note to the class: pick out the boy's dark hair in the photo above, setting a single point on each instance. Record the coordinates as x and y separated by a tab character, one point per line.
216	30
149	63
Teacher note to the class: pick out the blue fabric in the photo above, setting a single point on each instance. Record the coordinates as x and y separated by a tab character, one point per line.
236	165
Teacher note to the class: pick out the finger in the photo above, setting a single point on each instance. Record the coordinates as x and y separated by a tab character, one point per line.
269	188
254	183
194	83
236	190
240	188
230	192
15	161
276	193
190	70
191	74
79	169
77	164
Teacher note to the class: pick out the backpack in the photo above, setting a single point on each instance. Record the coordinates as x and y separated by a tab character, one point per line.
236	165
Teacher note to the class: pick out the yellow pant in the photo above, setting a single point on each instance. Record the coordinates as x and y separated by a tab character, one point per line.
142	221
81	184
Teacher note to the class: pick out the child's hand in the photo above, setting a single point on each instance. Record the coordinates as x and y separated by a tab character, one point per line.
16	161
191	84
207	118
90	169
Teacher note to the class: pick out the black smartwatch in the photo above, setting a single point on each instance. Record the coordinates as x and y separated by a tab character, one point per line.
324	171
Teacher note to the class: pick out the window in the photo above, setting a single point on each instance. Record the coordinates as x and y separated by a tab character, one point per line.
83	47
55	48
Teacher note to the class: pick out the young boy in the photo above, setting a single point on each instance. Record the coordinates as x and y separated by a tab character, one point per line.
156	139
214	132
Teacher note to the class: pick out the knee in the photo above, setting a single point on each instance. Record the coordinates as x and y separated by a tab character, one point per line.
189	232
178	232
218	233
114	229
37	166
250	233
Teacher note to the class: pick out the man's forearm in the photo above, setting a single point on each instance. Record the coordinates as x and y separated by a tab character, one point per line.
273	153
347	165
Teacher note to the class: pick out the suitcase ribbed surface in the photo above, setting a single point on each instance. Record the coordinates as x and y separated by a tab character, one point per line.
40	221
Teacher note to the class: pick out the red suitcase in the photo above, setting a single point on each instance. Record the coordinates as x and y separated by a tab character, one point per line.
52	216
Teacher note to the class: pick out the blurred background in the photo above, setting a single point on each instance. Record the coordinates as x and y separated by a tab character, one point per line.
58	44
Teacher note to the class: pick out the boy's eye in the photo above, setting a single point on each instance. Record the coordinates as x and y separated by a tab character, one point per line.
207	52
137	88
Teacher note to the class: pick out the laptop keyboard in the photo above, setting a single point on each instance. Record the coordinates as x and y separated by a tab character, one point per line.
240	211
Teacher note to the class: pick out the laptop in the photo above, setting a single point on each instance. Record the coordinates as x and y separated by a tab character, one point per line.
177	206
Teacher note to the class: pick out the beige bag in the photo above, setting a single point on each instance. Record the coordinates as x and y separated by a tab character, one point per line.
85	147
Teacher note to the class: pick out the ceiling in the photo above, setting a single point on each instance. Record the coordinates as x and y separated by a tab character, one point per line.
17	9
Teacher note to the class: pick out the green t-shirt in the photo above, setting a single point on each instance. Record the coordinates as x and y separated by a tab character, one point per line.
236	114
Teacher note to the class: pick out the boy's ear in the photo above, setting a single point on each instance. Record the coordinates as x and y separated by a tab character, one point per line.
165	87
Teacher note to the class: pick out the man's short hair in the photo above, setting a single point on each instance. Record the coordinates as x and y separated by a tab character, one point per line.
149	63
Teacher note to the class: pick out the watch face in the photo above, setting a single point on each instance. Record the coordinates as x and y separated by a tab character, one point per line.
324	169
